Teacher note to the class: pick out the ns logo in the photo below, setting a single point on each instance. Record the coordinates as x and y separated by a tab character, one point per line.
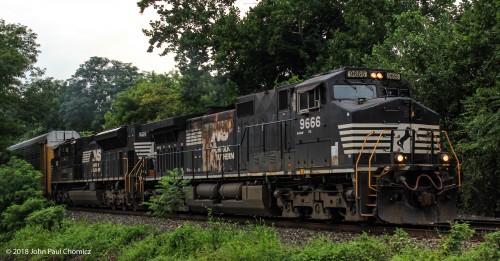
402	140
91	156
405	137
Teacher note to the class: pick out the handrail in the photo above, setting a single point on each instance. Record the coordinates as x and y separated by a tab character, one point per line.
138	170
125	177
238	145
261	124
370	162
456	158
359	157
128	175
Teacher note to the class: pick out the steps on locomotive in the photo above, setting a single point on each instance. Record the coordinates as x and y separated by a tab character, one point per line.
367	194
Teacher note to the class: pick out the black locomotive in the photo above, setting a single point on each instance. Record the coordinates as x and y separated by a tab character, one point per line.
349	145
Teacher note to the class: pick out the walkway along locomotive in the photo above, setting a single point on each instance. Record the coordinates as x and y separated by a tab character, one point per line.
349	145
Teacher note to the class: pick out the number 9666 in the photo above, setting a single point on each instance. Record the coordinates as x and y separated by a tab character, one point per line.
310	123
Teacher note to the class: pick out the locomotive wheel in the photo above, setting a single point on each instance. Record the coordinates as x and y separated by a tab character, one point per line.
114	204
329	221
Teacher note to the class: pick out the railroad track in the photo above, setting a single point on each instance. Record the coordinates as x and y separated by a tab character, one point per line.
481	226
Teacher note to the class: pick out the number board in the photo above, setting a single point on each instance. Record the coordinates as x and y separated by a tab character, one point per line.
357	74
393	76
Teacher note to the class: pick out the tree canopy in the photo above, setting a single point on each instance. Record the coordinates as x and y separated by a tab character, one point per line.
18	53
154	97
92	89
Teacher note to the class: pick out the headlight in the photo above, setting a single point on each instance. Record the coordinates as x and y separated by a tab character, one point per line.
399	158
444	157
376	75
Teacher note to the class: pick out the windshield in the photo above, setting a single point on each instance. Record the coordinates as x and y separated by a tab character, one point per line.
354	91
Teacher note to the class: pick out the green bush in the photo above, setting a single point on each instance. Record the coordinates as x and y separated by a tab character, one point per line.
142	249
104	240
28	238
320	248
21	193
49	218
260	242
363	248
169	195
403	248
14	217
220	231
219	241
489	250
399	241
19	181
459	233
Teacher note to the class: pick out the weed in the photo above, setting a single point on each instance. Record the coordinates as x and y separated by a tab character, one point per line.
225	241
49	218
460	232
169	194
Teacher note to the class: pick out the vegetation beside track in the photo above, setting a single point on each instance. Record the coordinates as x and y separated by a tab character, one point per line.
221	240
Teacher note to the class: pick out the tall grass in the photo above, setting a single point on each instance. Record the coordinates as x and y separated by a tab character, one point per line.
225	241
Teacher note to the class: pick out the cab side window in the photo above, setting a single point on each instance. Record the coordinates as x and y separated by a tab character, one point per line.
311	99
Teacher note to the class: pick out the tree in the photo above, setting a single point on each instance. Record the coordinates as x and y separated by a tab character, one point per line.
365	24
19	182
424	50
22	200
451	55
480	150
155	97
195	32
478	50
276	40
202	90
40	102
92	89
18	53
185	28
160	96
